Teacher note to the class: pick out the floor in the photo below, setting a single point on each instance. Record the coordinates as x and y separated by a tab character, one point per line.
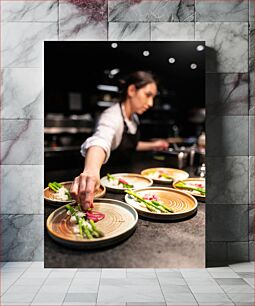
28	283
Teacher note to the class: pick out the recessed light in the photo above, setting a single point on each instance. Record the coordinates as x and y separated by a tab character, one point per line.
114	45
171	60
146	53
193	66
200	48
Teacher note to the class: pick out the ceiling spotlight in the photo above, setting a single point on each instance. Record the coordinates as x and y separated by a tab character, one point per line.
146	53
193	66
200	48
114	45
171	60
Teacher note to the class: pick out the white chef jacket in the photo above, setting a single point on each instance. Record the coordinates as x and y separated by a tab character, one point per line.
109	130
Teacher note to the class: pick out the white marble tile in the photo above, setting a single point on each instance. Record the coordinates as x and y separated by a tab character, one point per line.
234	10
172	31
22	93
83	20
227	43
251	180
22	142
242	298
147	10
23	42
23	10
22	189
180	299
114	273
226	94
251	135
22	237
213	299
128	31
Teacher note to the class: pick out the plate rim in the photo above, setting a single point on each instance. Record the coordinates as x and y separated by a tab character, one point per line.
93	241
189	179
164	180
125	173
69	201
168	214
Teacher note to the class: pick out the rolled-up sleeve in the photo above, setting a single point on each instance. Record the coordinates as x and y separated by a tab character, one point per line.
108	132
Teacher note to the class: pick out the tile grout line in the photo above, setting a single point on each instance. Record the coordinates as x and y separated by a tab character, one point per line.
98	285
15	280
69	286
155	271
189	287
40	287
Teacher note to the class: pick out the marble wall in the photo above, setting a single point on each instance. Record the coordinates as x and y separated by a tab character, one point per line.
226	26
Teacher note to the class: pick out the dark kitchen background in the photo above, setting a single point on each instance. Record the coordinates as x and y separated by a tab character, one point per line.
81	80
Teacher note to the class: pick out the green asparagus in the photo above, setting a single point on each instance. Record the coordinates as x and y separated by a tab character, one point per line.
182	185
56	186
153	206
87	227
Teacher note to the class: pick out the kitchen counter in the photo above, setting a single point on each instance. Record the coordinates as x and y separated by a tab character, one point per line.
154	244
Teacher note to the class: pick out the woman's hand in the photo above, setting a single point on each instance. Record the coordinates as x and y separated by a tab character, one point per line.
83	188
159	145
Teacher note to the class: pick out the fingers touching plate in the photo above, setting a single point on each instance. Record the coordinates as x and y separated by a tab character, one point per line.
49	194
119	222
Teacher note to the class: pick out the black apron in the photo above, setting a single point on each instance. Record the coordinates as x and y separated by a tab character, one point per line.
121	157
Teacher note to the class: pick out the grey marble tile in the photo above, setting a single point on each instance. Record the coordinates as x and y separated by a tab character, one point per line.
21	93
227	135
226	94
251	135
128	31
251	10
22	142
22	237
83	20
227	223
227	180
23	10
238	251
23	42
251	180
251	250
22	189
213	10
251	222
147	10
216	252
172	31
251	69
226	43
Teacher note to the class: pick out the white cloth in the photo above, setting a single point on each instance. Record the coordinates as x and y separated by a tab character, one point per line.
109	130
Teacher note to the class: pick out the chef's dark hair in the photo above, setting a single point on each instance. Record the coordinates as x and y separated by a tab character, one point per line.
137	78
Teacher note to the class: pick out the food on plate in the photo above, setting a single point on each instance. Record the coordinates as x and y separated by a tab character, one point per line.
118	182
194	187
84	222
159	175
60	192
150	201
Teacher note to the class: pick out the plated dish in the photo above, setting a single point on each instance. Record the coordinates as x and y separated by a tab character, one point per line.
118	222
59	197
194	186
177	204
165	175
118	182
